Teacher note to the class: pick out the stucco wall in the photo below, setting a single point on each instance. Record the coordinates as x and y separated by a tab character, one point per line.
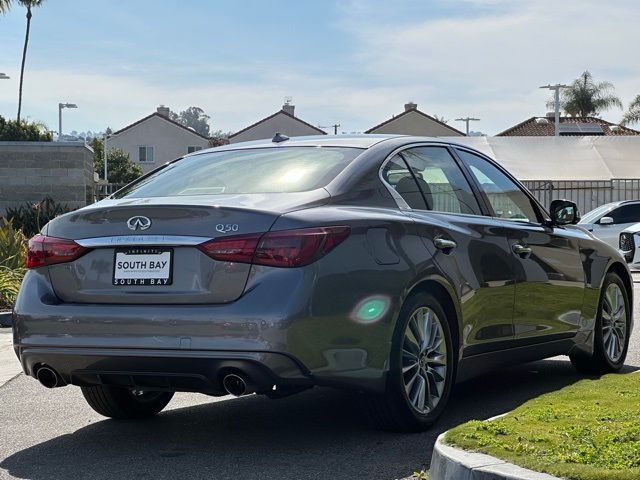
282	123
169	141
30	171
413	123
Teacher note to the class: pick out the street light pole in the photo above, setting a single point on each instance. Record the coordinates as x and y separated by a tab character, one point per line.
104	156
60	107
466	120
556	100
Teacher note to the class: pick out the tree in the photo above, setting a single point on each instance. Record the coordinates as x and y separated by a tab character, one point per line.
120	168
585	97
441	118
12	131
193	117
632	115
29	4
219	138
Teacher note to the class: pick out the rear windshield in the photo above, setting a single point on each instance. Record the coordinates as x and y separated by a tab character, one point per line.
266	170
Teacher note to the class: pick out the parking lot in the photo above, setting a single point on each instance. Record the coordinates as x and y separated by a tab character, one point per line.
320	433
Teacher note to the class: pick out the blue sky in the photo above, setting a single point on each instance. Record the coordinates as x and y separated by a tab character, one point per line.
355	62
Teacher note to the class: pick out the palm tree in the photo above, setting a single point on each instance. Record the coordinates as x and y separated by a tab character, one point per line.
585	98
632	115
29	4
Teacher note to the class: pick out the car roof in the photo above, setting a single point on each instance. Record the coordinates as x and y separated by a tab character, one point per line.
350	141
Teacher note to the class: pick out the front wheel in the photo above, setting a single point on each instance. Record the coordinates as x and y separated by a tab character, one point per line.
125	403
421	368
611	332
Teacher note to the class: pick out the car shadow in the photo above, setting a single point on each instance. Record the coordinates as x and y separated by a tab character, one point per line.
320	433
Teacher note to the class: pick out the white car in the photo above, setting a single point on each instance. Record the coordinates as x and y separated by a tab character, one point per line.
628	244
608	221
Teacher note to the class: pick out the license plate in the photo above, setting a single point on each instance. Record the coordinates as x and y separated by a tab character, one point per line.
143	266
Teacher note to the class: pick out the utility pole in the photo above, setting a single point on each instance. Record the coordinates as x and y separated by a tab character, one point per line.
466	120
334	126
104	156
556	100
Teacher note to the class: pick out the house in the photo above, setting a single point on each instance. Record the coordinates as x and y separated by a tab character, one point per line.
156	139
569	126
414	122
283	121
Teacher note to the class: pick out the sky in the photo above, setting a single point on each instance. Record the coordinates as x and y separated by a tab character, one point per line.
352	62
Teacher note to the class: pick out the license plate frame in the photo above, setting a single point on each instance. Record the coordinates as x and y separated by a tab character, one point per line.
144	276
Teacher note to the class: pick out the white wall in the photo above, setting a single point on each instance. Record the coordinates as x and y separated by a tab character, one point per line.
279	123
169	141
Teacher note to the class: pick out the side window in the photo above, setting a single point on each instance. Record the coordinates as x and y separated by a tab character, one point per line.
428	178
506	198
625	214
397	174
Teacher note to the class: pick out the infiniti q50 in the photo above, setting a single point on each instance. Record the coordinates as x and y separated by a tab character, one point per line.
391	265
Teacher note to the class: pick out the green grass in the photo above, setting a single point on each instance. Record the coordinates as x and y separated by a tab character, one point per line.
587	431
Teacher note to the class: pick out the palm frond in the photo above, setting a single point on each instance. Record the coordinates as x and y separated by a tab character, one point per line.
632	115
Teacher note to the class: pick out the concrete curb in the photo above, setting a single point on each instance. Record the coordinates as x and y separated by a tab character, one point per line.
450	463
5	319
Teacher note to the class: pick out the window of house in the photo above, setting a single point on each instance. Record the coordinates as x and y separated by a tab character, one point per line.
193	148
145	154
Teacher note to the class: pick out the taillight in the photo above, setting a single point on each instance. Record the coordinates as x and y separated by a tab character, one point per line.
286	248
43	250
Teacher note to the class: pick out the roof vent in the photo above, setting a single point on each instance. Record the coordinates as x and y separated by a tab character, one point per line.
278	138
542	121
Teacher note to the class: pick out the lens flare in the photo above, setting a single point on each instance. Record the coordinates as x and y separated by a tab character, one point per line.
370	309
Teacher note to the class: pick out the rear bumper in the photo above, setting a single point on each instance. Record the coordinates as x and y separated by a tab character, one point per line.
197	371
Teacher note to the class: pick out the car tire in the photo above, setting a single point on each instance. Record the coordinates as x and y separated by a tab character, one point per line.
125	403
609	351
399	408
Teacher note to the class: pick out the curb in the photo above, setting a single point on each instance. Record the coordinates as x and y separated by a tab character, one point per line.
450	463
5	319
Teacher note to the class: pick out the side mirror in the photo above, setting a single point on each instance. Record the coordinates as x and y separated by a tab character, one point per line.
606	221
564	212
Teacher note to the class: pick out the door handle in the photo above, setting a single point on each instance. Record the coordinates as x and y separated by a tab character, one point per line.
521	250
444	244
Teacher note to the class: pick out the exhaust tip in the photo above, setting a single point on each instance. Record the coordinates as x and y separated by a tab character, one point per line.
234	384
48	377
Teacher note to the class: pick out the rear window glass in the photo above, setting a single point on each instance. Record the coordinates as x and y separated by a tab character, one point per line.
267	170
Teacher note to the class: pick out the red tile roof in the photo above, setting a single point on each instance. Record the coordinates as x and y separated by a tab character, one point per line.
534	127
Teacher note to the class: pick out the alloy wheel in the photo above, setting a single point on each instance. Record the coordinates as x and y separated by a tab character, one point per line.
424	360
614	322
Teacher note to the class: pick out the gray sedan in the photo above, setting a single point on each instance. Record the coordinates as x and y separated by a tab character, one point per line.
391	265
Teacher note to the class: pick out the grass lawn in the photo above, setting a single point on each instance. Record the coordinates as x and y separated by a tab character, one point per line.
588	431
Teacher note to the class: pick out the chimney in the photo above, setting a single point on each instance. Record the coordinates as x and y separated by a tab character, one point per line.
288	108
164	111
410	106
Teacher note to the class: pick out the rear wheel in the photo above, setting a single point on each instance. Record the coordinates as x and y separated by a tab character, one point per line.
421	368
611	332
125	403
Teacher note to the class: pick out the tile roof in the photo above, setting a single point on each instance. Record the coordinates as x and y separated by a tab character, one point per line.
533	127
272	116
164	118
406	112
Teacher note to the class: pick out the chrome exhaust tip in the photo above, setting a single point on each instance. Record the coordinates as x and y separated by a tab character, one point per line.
48	377
235	384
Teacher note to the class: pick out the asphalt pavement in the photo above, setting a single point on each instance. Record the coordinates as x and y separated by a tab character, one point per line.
321	433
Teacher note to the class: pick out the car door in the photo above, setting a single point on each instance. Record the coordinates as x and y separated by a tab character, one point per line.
469	248
622	217
550	279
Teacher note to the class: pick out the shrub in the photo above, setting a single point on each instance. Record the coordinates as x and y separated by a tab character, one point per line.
30	218
25	131
10	280
13	245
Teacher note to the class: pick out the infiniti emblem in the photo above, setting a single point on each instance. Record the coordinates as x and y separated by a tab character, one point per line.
138	223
